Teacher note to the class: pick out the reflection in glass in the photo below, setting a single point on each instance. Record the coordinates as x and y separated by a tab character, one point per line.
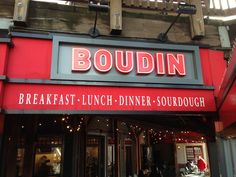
20	161
110	160
95	157
48	161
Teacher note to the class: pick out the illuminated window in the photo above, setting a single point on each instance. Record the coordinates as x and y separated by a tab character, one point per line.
232	3
55	1
222	4
48	157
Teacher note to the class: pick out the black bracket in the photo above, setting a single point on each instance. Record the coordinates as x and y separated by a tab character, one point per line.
94	32
182	9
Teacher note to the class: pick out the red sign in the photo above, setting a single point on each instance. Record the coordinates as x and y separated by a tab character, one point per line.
63	97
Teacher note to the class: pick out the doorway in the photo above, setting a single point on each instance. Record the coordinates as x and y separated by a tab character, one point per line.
95	156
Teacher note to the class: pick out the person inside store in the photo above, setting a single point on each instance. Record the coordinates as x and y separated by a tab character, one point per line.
141	174
202	165
191	168
155	172
44	168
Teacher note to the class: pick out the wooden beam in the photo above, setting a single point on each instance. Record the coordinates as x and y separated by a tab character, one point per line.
115	16
197	22
21	12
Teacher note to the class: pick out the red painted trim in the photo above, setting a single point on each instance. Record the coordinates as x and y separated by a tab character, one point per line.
30	58
206	69
227	111
213	68
226	100
218	68
4	50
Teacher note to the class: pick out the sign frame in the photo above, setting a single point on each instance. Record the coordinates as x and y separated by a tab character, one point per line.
136	45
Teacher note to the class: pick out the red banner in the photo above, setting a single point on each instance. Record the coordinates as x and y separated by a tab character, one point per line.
66	97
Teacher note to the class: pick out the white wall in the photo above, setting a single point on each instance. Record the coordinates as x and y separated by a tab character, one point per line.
181	152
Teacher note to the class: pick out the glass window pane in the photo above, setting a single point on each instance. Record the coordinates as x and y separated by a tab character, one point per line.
47	161
224	4
217	4
211	4
232	3
20	161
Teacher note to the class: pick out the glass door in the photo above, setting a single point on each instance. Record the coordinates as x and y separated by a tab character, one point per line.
95	156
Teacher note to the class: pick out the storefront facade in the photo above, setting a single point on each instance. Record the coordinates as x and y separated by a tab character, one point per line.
226	131
106	106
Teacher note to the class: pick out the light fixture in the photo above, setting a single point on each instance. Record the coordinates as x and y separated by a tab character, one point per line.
93	32
183	8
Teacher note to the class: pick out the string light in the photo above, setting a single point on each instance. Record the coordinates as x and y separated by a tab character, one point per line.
72	125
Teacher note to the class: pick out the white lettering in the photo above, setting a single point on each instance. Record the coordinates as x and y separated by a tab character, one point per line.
21	98
35	98
28	97
46	99
202	102
96	100
41	101
180	101
134	100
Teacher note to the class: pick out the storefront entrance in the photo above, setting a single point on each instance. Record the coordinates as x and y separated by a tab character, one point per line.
96	146
95	156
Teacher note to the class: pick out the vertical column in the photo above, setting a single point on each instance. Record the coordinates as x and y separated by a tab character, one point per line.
5	44
80	151
2	120
197	21
30	128
116	16
213	159
9	152
116	141
4	49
